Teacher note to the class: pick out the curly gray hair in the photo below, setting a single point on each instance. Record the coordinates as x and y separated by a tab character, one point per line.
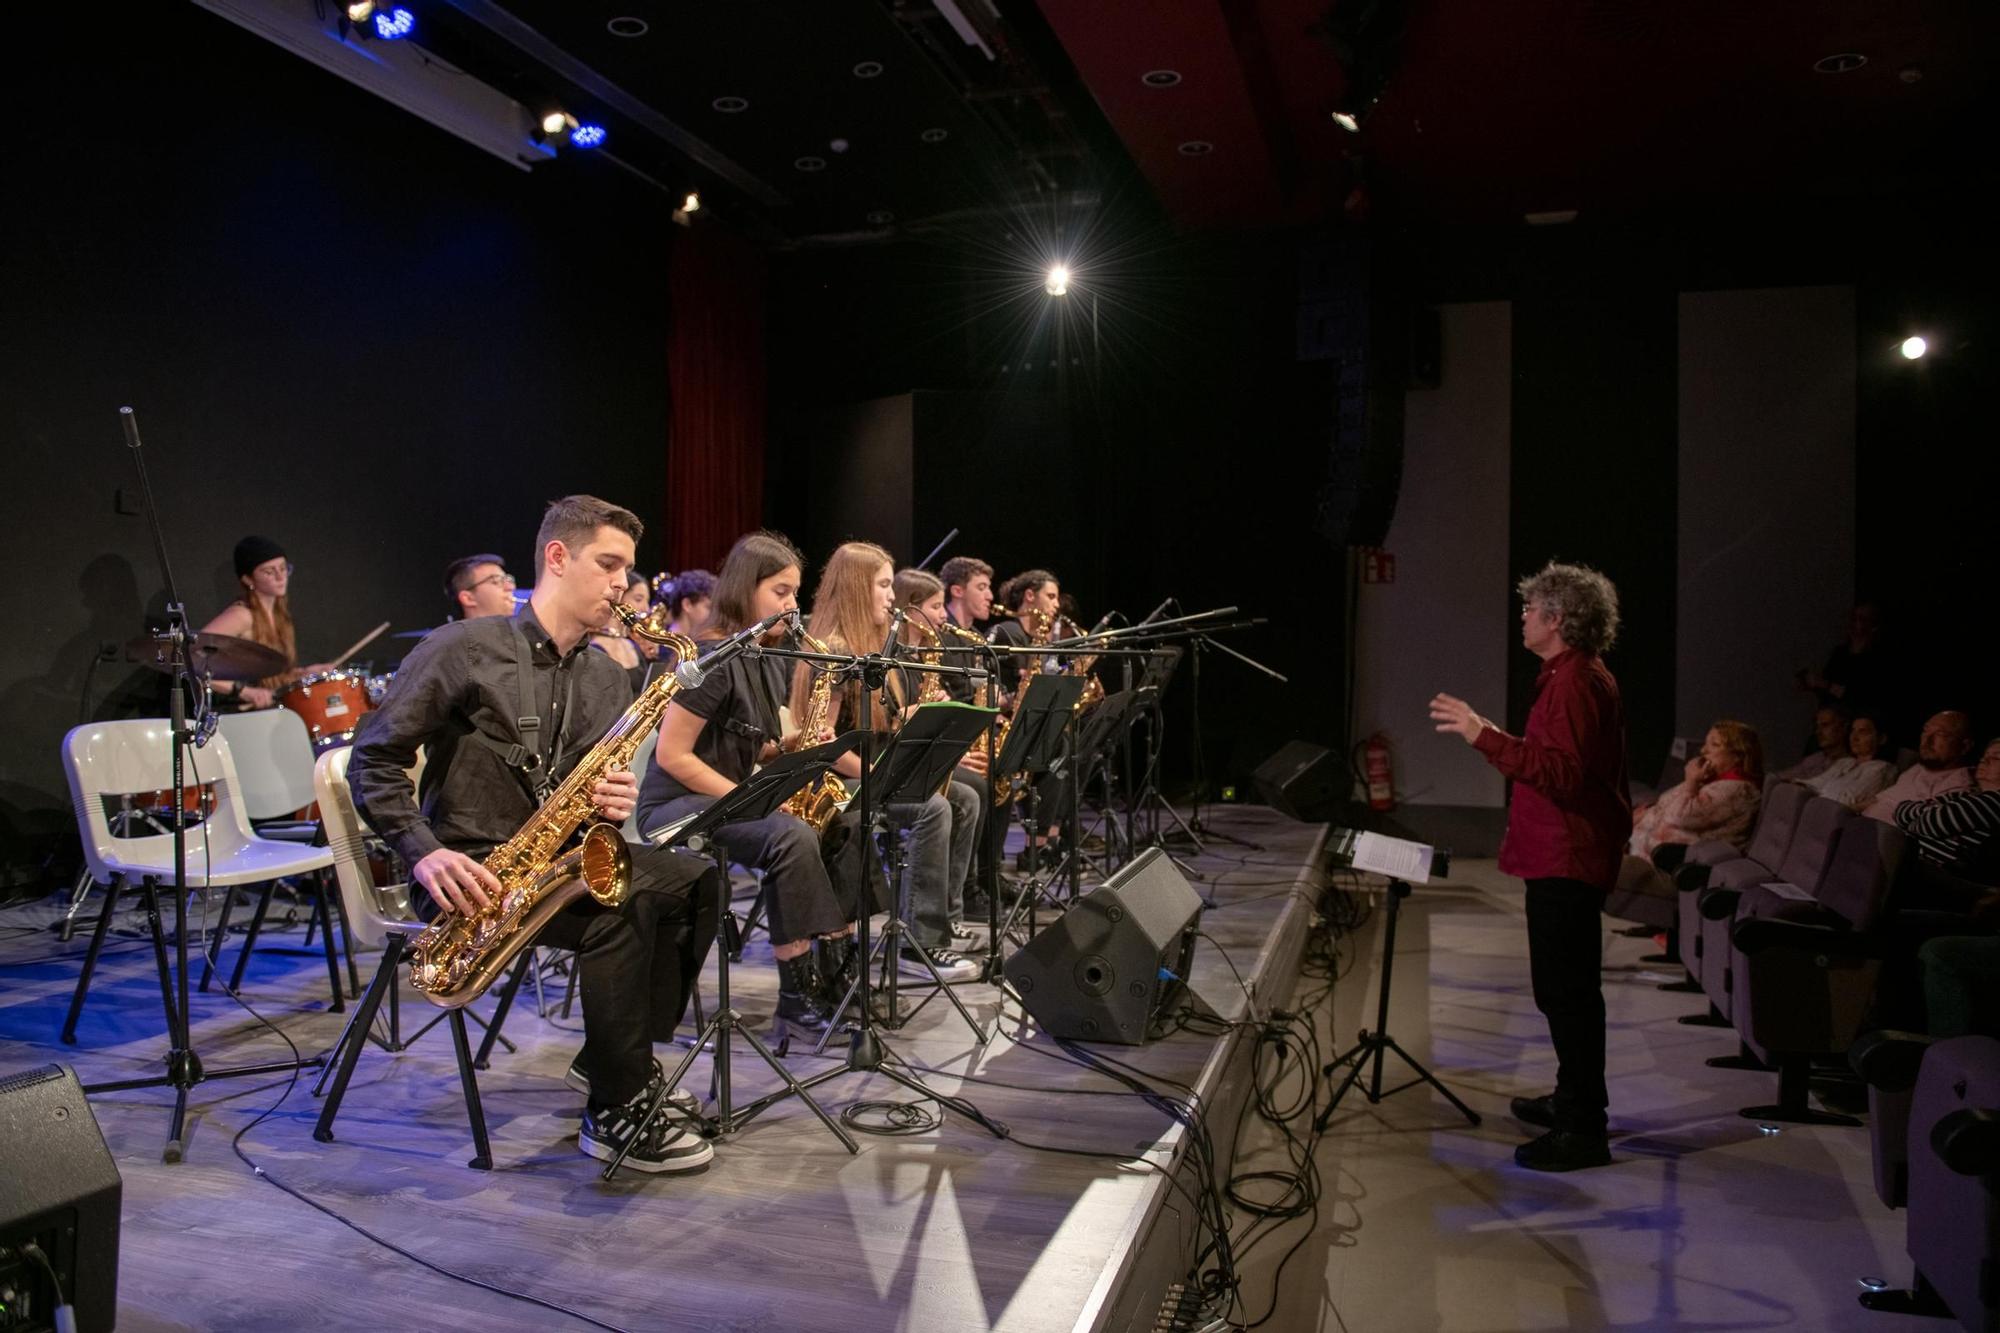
1583	599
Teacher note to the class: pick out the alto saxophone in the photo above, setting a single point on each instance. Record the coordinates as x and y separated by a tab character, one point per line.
1040	631
820	802
1093	688
456	957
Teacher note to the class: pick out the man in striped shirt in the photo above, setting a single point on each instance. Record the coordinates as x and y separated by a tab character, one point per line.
1960	830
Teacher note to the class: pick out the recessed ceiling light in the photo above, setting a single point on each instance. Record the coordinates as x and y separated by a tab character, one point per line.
628	25
1197	148
867	69
1160	78
935	134
881	217
1348	121
1844	62
730	104
837	145
809	163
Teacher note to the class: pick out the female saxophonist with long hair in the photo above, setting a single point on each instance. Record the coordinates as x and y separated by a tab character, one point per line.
851	614
711	738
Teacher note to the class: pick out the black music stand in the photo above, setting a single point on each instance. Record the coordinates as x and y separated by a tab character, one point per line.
757	797
1105	729
909	771
1036	742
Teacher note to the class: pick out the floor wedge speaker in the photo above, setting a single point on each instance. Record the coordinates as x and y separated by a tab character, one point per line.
1104	969
1306	781
60	1189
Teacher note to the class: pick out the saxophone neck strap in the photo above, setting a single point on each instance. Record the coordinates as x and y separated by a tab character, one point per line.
535	755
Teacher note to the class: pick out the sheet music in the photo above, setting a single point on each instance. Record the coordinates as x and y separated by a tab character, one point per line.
1394	857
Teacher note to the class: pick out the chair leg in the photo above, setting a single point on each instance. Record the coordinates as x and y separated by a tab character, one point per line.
325	898
482	1150
331	888
213	953
312	924
500	1012
350	1050
1794	1078
569	991
249	939
103	927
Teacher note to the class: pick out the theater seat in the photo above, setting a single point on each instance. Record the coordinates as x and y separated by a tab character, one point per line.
1805	862
1777	821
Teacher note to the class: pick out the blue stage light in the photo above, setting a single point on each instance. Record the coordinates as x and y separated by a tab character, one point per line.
395	23
586	136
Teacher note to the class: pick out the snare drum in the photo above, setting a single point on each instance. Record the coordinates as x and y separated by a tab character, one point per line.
331	703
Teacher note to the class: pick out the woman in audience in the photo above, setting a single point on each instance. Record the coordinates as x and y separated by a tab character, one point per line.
1716	800
1855	780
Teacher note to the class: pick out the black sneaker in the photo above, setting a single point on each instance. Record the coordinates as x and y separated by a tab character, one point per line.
665	1146
1537	1111
680	1099
963	937
950	965
1564	1150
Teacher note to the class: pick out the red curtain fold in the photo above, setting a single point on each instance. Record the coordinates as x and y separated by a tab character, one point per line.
715	387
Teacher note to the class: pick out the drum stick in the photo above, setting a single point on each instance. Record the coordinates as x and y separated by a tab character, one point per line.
361	643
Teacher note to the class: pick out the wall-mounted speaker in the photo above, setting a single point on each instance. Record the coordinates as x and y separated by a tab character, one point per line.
1106	968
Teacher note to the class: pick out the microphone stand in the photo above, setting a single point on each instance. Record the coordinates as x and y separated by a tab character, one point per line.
184	1067
1196	827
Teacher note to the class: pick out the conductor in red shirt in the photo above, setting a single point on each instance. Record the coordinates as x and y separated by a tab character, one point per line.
1567	824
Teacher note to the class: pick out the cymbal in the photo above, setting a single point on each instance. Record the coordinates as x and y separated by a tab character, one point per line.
223	656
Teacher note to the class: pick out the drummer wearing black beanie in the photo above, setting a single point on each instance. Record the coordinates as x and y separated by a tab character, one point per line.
263	615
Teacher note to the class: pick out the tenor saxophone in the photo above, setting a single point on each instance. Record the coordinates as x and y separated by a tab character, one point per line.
455	958
818	803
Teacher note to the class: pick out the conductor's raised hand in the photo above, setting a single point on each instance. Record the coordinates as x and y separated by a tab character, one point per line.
1453	714
456	882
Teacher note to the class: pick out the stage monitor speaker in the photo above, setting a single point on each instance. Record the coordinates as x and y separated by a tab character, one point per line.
60	1189
1108	966
1306	781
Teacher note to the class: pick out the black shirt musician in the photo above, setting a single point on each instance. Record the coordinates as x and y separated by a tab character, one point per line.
492	750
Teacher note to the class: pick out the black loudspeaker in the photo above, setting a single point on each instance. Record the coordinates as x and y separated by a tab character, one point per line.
1306	781
1106	967
60	1189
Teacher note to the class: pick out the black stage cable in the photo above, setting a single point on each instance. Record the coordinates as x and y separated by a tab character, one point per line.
291	1086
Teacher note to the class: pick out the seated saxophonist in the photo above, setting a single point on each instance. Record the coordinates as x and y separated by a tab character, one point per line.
1033	599
711	737
922	595
505	706
851	614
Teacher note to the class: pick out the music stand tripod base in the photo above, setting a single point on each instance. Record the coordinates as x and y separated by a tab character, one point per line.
1374	1045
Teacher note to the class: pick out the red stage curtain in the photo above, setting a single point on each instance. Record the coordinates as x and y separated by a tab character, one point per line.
715	383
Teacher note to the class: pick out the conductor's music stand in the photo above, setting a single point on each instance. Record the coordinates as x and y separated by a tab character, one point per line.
756	797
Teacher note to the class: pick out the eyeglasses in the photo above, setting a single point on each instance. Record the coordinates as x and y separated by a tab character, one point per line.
271	572
503	579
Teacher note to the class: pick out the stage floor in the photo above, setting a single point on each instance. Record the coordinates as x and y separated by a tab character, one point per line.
944	1230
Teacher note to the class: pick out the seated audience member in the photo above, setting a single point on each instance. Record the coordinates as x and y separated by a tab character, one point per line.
1960	830
1866	768
1717	798
1830	735
1942	754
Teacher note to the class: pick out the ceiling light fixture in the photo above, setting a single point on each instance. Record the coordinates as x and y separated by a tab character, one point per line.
868	69
935	134
1057	283
1197	148
1347	121
1160	78
729	104
809	163
627	25
1842	62
1914	347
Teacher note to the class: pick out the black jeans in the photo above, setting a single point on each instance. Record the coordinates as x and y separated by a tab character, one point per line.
637	963
800	899
1565	961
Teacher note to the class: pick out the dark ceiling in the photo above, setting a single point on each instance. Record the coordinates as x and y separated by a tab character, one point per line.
863	119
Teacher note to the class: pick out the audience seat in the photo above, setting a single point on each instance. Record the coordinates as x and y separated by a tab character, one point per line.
1777	820
1807	854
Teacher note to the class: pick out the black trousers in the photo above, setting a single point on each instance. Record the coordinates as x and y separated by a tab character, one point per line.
1565	962
637	963
801	899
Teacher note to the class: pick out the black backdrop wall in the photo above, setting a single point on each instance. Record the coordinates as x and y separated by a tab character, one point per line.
340	327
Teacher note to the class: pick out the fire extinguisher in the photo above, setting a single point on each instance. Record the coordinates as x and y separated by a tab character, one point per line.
1379	774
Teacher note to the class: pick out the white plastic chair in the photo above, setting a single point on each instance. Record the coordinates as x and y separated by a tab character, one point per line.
379	915
124	757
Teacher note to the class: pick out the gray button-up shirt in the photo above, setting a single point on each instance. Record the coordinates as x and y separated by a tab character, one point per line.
460	679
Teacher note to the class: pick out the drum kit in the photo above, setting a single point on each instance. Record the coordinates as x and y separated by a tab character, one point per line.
331	703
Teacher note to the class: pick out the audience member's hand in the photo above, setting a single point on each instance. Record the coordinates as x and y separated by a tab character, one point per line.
1456	715
456	882
1698	771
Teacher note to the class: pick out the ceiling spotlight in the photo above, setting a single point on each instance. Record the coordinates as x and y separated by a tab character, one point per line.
394	24
935	134
729	104
359	11
1057	283
868	69
1160	78
557	121
627	26
1197	148
1914	347
691	204
587	136
1348	121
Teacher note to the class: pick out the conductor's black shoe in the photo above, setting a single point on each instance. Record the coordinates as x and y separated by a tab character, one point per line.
1539	1111
1564	1150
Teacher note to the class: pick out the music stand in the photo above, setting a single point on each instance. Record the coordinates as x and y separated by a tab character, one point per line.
909	771
1105	729
1035	744
756	797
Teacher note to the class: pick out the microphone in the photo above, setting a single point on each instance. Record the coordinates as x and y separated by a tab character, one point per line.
1154	614
1103	620
896	618
689	674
